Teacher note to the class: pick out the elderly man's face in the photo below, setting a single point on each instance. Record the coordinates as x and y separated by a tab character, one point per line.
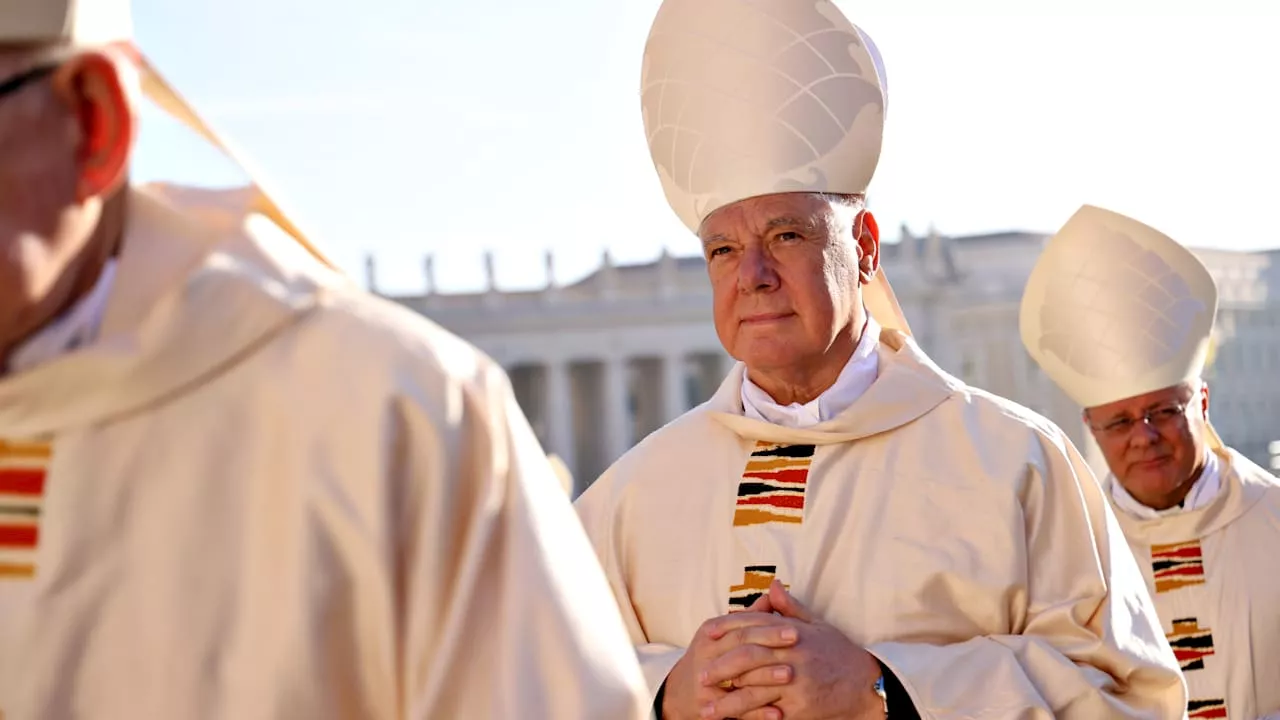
1154	443
61	138
785	274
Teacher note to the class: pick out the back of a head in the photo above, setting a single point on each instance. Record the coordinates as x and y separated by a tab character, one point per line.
97	23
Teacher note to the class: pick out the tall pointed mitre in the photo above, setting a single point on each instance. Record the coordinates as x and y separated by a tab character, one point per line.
1115	309
743	98
97	23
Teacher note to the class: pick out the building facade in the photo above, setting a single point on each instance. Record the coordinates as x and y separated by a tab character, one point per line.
600	363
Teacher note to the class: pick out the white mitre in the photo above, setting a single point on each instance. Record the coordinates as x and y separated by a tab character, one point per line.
1115	309
97	23
743	98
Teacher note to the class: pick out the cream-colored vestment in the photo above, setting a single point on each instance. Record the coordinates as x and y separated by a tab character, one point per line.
1215	576
262	494
957	536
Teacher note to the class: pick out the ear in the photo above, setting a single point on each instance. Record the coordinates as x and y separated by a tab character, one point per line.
99	89
1088	424
1204	400
868	238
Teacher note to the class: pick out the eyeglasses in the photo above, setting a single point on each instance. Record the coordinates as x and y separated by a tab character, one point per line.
1159	418
17	82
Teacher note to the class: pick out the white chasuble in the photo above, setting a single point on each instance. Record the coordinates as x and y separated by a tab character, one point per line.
1215	575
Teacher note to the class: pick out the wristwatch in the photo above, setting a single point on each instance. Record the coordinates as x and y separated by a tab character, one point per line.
878	688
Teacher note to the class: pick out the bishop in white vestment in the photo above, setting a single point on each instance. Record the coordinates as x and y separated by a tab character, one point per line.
235	486
844	529
1121	317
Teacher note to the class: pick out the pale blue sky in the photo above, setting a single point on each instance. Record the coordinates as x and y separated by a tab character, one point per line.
419	126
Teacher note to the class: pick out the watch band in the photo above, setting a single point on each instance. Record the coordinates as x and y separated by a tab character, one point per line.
878	687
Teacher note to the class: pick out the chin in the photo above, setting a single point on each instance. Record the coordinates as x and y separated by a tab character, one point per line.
768	360
1152	485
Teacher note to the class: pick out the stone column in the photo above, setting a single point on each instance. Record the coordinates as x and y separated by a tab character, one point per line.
674	396
617	428
559	409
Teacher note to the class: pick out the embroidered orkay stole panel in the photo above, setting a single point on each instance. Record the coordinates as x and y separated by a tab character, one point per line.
767	518
1179	573
23	467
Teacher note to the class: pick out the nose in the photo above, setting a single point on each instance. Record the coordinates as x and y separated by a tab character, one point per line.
756	272
1144	434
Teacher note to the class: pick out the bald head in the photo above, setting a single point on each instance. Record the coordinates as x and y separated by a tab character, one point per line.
67	125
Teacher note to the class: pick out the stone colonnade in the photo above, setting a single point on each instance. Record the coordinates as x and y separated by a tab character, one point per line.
590	411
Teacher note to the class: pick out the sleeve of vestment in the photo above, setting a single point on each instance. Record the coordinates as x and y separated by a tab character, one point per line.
506	611
1089	646
595	510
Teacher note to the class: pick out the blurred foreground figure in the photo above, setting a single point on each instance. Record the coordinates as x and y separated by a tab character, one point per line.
1121	317
234	486
844	530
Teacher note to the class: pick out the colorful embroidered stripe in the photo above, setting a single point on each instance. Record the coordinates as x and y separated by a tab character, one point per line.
19	507
1177	566
19	536
20	571
1191	643
22	486
755	582
1206	709
24	451
772	485
21	481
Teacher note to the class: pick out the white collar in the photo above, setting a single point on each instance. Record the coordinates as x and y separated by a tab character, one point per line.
1205	489
74	328
854	379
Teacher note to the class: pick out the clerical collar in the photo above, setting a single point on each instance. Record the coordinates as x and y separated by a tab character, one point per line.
854	379
1203	491
74	328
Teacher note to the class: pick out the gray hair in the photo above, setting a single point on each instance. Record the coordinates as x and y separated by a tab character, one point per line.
840	205
855	203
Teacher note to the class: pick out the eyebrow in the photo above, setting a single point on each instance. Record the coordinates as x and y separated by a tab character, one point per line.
786	221
773	224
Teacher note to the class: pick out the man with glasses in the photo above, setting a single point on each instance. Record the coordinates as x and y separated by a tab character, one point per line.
232	484
844	530
1120	317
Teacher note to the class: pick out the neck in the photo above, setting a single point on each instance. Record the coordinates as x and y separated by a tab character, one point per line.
1196	473
803	383
81	276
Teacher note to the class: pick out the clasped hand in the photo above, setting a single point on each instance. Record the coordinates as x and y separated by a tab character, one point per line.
772	661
